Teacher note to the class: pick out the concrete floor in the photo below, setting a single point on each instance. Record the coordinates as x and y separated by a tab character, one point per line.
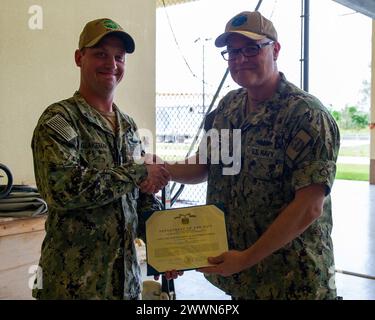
354	237
354	246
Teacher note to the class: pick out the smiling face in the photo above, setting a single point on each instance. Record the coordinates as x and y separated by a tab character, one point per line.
102	66
253	72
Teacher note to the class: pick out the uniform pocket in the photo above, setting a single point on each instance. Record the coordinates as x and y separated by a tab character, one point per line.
265	164
133	147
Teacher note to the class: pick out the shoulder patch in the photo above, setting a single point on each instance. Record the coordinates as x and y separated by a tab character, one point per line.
299	142
62	127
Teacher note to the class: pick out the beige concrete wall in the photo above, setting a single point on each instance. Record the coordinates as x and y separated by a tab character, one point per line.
372	116
37	67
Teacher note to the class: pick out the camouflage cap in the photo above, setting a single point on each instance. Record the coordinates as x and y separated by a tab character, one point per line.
95	30
251	25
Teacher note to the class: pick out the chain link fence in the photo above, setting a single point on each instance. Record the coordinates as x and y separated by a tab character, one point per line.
178	117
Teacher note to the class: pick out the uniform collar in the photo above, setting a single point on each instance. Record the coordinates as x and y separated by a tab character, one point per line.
266	111
94	116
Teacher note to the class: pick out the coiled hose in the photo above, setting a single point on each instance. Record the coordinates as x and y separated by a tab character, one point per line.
6	188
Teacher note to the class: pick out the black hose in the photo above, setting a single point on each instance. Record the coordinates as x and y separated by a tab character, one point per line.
6	189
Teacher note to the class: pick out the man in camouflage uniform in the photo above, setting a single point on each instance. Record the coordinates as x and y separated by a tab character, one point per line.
278	208
83	150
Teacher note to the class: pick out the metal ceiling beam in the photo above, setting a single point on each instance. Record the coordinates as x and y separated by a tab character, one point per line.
366	7
159	3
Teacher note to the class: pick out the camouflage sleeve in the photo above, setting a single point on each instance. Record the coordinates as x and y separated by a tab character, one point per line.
66	182
146	203
313	146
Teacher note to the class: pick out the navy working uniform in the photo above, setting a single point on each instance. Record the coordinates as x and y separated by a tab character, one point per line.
290	142
87	174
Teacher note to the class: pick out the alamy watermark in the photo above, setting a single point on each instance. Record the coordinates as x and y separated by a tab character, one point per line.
36	19
216	146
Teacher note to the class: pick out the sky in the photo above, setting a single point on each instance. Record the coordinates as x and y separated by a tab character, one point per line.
340	47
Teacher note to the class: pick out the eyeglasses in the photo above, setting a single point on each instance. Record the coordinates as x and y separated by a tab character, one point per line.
248	51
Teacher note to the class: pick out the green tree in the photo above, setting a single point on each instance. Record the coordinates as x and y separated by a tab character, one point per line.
336	115
351	118
360	120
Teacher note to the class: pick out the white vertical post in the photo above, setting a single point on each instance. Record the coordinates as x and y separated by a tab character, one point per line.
372	115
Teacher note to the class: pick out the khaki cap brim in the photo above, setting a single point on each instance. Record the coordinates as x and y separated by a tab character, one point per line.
128	40
221	41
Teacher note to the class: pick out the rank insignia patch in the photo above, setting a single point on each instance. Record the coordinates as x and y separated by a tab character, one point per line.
299	142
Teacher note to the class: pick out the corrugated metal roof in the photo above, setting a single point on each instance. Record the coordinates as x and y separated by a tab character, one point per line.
366	7
159	3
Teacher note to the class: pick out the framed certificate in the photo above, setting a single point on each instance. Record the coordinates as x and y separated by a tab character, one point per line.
183	238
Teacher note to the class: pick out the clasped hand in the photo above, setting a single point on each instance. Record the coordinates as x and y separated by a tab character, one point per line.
157	176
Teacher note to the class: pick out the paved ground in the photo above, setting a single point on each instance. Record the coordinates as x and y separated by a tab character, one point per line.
354	245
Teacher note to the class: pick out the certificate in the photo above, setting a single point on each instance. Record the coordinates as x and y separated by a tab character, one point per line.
183	238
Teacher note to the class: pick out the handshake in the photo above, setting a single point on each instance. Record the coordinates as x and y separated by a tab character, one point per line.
157	175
